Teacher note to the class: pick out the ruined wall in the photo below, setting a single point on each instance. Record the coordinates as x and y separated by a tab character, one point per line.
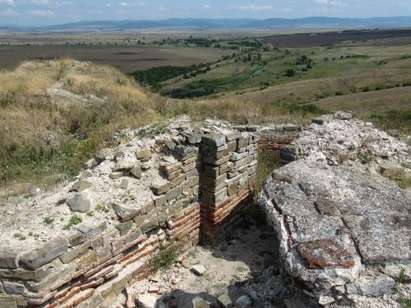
80	246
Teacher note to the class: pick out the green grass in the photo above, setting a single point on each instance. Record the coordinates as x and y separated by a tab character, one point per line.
405	303
166	257
74	220
268	160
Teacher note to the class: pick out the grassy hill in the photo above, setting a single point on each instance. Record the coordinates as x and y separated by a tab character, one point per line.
55	114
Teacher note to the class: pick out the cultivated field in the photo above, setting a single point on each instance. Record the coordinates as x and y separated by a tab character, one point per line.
125	58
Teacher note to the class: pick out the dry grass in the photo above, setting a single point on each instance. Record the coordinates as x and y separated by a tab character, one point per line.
40	135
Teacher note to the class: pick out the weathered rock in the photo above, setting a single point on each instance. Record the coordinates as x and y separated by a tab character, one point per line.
45	254
80	202
199	270
136	171
372	284
124	163
8	259
143	154
335	219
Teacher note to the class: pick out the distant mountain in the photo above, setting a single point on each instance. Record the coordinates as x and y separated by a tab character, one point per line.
204	24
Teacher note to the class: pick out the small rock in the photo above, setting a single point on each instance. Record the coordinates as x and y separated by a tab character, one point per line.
80	202
143	154
136	171
124	184
124	164
243	302
199	270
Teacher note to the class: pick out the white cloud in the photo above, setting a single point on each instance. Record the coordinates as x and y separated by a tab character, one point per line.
206	6
40	2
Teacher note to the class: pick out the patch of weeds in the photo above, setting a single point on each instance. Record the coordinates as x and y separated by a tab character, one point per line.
268	160
74	220
90	214
166	257
405	303
401	178
48	220
402	276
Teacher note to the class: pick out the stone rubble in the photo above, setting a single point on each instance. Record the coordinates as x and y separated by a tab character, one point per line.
340	223
88	239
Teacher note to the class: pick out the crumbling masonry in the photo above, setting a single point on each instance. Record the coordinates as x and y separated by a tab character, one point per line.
165	186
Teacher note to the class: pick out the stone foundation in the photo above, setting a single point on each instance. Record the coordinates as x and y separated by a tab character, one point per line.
85	243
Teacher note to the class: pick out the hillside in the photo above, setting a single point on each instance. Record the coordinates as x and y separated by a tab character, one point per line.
55	114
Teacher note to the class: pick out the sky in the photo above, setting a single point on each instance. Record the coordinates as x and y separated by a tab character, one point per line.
45	12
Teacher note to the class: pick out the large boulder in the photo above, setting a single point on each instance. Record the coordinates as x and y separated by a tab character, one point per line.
338	222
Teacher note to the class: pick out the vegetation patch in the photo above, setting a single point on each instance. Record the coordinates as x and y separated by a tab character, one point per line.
166	257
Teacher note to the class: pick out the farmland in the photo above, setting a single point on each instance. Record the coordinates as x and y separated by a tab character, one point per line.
125	58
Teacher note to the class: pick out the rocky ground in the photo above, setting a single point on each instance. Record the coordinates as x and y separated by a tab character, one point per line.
342	219
241	271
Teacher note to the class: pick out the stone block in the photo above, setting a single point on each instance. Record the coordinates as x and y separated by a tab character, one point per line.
181	152
160	189
45	254
125	212
8	259
174	193
231	146
136	171
178	180
80	202
144	154
243	141
214	140
14	288
193	138
124	227
91	229
74	253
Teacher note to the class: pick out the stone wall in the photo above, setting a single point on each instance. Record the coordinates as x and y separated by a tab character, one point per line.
82	244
